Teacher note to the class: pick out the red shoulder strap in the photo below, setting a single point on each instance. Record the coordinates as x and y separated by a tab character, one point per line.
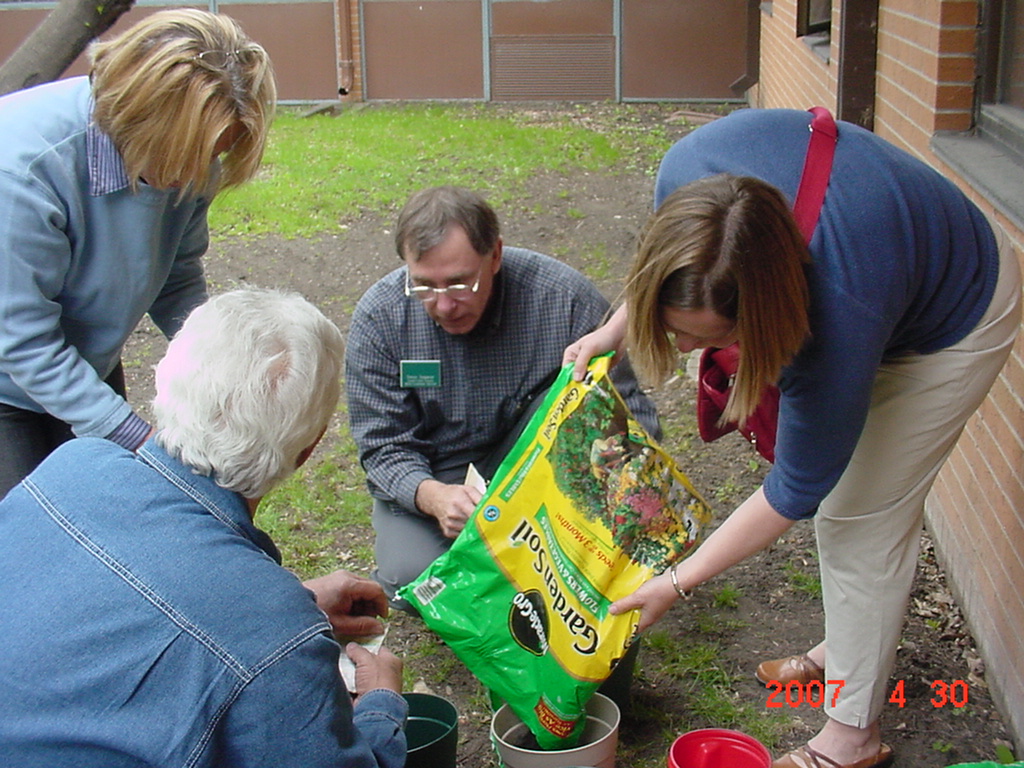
817	168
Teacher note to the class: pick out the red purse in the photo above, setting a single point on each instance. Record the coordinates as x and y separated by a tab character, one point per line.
717	367
714	382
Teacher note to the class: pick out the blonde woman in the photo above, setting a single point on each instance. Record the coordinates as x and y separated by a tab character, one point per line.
884	336
105	183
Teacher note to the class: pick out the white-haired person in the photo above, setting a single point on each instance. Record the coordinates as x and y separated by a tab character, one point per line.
105	182
147	621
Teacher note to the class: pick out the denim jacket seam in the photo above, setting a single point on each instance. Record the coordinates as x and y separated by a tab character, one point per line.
279	653
287	647
204	739
196	494
236	667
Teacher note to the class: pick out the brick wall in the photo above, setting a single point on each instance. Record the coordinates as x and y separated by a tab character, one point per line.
924	84
792	75
976	516
926	67
925	80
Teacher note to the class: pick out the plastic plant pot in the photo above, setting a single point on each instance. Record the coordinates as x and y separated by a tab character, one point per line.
718	748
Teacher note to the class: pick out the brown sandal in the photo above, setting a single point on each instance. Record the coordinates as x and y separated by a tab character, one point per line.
807	757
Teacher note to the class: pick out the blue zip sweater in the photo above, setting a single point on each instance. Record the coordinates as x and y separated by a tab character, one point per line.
82	258
903	263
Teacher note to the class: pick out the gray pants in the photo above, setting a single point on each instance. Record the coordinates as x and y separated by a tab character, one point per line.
28	437
407	542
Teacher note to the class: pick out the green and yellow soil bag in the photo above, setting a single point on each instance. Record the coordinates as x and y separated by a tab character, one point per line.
585	508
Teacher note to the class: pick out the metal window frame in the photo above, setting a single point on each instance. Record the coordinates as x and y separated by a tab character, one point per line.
812	18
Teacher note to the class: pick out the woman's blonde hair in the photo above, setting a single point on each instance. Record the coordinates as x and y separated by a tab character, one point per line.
728	244
166	89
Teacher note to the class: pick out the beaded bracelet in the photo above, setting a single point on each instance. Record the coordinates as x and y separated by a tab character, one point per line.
686	595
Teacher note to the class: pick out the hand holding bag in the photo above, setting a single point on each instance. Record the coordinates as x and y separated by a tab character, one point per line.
718	366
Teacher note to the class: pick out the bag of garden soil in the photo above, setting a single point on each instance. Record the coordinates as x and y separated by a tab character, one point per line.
585	508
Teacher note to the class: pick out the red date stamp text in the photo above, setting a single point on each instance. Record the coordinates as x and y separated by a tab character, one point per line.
794	693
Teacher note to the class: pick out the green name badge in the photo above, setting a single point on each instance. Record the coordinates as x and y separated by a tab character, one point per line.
421	373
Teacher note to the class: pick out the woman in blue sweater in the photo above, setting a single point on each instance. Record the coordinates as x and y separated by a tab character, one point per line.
884	336
104	188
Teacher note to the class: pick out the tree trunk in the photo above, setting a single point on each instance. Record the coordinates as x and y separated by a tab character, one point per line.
58	40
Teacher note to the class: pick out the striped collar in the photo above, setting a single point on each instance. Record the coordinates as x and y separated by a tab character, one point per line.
106	167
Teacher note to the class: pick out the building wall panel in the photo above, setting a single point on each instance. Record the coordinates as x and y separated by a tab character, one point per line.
555	50
555	67
552	17
689	49
430	49
304	72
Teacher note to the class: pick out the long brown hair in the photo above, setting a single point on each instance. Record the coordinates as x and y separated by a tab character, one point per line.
728	244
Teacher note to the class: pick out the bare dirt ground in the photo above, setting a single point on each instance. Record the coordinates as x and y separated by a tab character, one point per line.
591	221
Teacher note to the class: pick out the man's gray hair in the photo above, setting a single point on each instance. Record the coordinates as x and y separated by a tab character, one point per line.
248	383
429	214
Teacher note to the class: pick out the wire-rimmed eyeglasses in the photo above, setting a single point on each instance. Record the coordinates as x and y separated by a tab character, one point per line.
457	292
219	59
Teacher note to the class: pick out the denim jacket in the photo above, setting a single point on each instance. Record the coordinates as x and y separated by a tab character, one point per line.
145	621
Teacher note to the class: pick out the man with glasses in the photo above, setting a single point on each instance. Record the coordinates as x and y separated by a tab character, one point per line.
446	355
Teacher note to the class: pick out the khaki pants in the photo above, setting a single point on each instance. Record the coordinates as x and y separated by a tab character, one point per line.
869	527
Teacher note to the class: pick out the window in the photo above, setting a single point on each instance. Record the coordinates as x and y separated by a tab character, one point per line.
813	17
1002	53
813	25
992	156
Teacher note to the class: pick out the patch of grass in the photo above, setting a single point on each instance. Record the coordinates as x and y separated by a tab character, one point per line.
702	680
320	171
631	755
427	647
598	264
801	581
728	491
728	596
480	701
140	353
308	515
448	664
716	625
636	752
428	660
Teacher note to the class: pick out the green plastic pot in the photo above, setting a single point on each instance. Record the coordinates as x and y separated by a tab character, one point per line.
432	731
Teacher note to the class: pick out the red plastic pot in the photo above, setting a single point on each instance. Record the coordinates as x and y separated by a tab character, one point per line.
718	748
